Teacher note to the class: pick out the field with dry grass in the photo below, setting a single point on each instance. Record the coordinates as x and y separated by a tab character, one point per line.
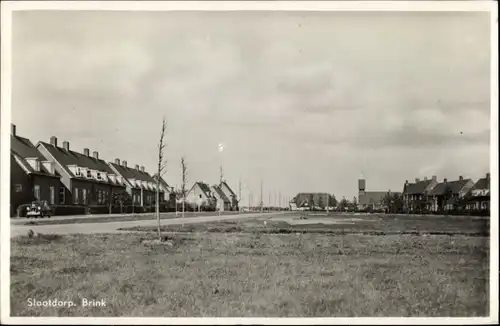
231	270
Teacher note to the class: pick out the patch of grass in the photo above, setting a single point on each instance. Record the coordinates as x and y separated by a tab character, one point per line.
389	225
253	274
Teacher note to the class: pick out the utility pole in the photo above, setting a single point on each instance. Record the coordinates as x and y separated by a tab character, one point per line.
269	201
261	202
279	206
221	175
239	196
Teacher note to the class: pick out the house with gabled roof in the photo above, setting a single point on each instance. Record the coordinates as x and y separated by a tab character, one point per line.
312	200
87	179
230	194
478	197
140	184
166	189
445	195
32	176
223	202
201	197
415	195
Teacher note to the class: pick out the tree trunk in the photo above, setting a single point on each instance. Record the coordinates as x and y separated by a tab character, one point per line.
183	205
158	206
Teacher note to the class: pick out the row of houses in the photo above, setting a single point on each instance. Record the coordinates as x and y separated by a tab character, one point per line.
430	195
420	196
62	176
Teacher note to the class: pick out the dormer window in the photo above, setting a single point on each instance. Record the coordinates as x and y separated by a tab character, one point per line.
99	176
89	174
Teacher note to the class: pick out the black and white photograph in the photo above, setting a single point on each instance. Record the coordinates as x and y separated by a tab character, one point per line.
244	162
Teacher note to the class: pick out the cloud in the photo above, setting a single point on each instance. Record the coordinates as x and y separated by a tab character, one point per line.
271	86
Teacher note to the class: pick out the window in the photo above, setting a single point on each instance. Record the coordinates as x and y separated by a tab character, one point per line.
36	191
78	172
62	195
89	175
98	175
84	196
18	187
75	196
52	195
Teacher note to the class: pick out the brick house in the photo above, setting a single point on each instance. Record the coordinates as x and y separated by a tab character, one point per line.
447	194
87	179
140	185
415	195
201	197
478	197
32	177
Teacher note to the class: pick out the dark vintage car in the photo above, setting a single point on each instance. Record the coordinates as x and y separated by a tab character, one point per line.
39	209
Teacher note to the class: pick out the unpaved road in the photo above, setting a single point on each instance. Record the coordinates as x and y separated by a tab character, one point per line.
112	227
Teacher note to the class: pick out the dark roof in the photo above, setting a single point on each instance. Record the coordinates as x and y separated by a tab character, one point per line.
70	157
481	189
23	148
220	194
66	158
131	173
483	183
417	188
229	188
371	197
162	181
204	187
454	187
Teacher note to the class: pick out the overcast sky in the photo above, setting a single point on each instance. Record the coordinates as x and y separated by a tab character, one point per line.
304	101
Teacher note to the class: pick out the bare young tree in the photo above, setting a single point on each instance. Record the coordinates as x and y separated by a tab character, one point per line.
162	165
184	182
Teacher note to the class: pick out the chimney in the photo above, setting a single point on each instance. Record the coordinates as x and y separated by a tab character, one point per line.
425	178
434	178
417	180
445	180
13	129
117	161
53	141
66	145
96	155
86	151
487	175
406	182
124	163
137	167
142	168
460	178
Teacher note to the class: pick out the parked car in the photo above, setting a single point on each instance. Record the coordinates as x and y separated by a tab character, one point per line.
39	209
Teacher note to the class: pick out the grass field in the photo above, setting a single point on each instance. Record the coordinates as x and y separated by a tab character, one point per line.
368	225
233	269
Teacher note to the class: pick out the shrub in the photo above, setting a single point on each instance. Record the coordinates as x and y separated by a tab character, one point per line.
68	210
